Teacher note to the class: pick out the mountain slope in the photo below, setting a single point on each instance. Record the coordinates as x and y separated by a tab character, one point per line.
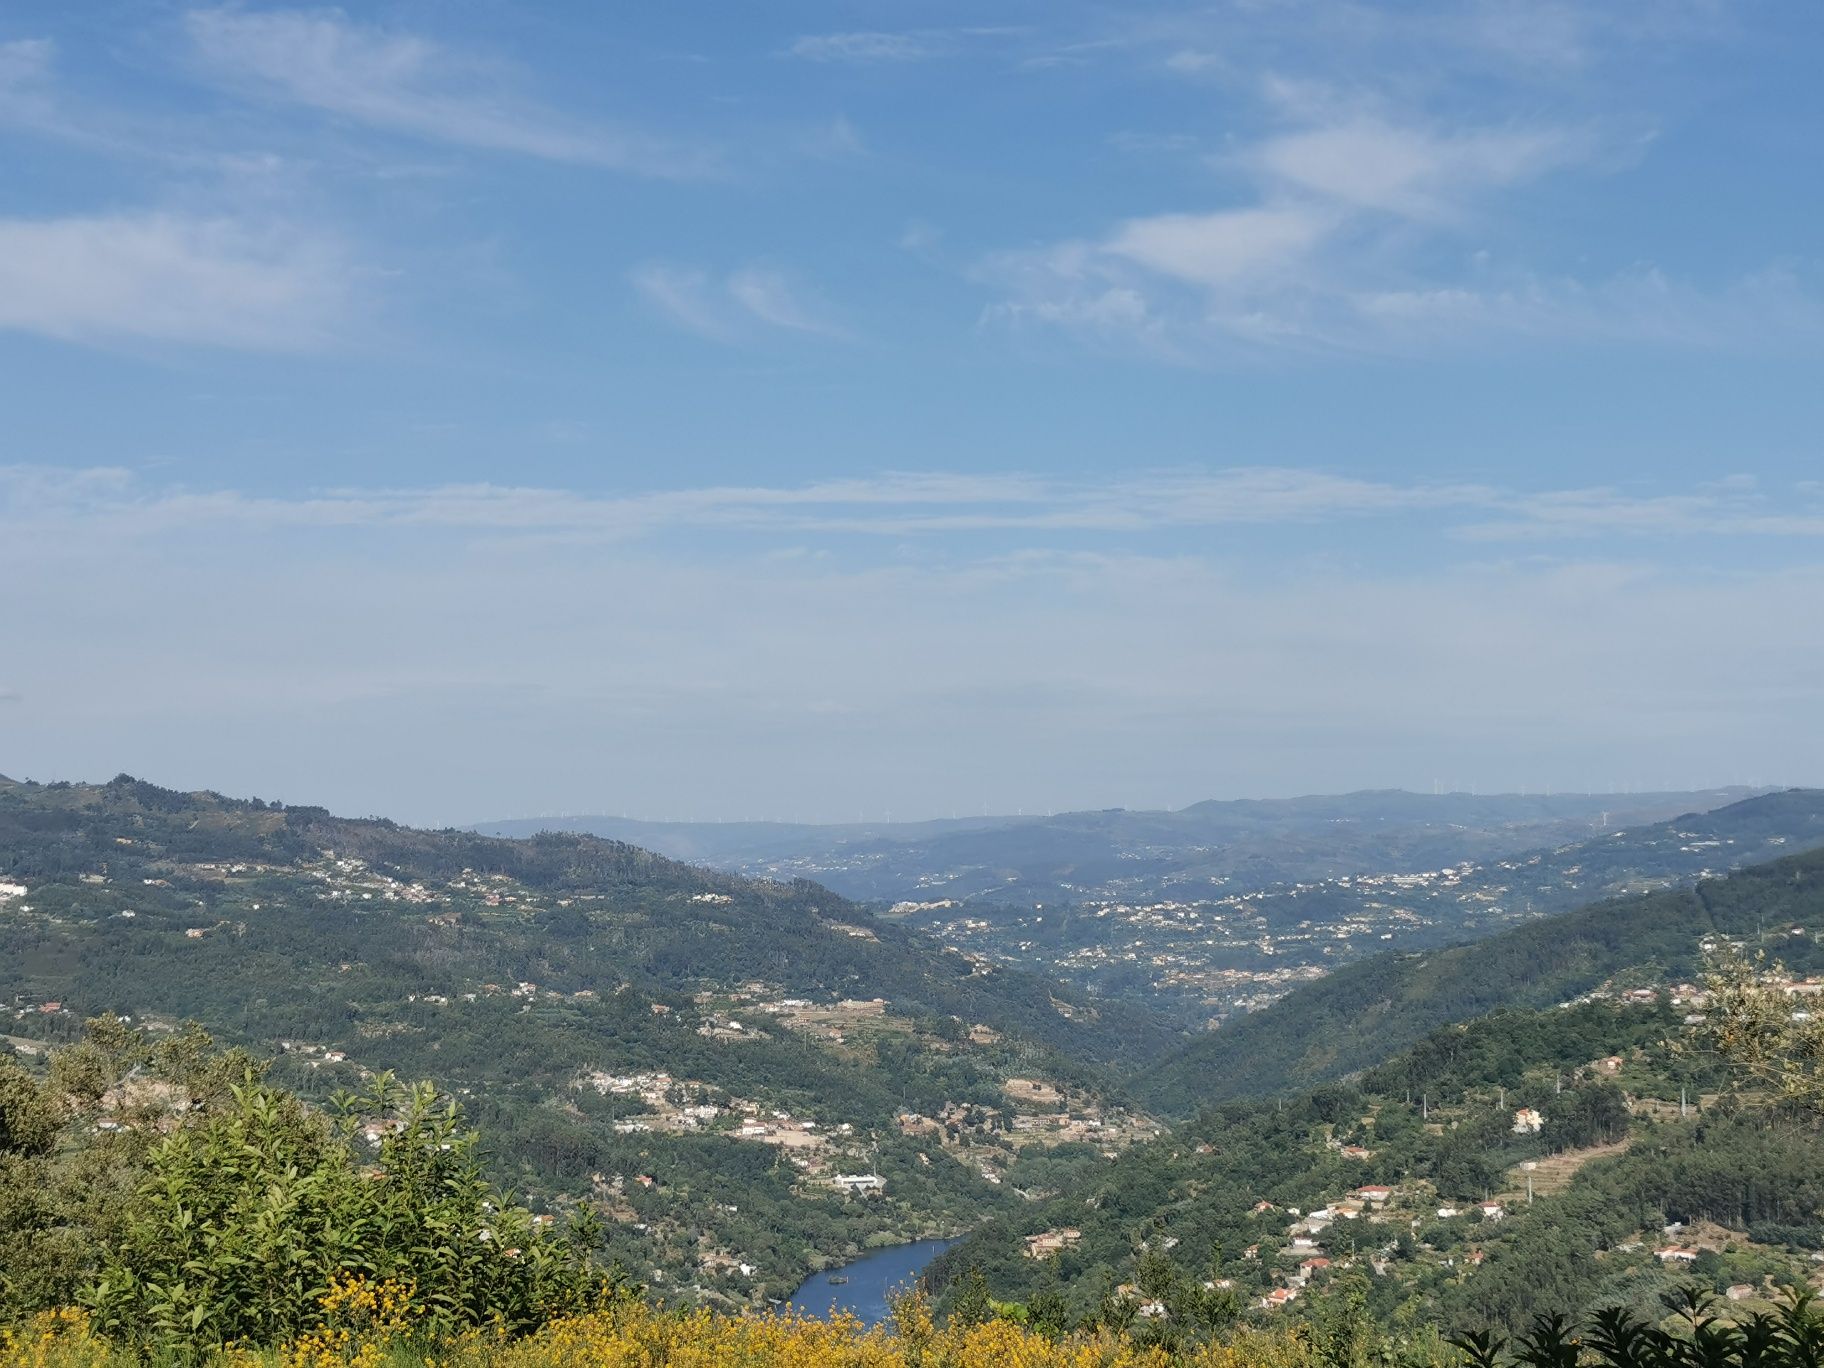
700	1054
1364	1012
597	910
1280	1197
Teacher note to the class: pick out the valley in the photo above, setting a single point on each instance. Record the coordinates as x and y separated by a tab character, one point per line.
1563	1136
749	1079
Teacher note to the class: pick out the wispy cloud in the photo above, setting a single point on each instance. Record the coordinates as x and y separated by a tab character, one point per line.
686	296
25	68
863	47
1351	240
42	499
1223	249
31	99
720	655
1362	193
874	46
167	277
770	297
726	308
408	84
1734	507
1415	172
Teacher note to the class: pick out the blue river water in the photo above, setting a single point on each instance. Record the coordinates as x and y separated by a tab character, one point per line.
870	1279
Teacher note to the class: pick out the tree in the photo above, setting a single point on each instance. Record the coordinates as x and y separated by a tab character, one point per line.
189	1203
1754	1027
972	1303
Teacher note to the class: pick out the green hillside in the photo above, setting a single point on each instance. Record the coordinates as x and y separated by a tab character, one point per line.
1366	1011
1381	1186
700	1052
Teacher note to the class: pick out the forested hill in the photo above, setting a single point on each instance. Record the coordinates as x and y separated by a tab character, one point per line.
577	907
699	1054
1588	1131
1363	1013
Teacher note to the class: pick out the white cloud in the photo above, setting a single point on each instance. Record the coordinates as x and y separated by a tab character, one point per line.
1774	307
812	680
684	295
725	309
770	297
1352	241
1369	160
862	47
1322	255
29	98
166	277
1220	249
1192	62
411	85
873	46
1734	507
45	504
25	65
1371	164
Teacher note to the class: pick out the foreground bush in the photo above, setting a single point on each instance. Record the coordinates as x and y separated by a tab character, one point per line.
370	1325
244	1221
185	1203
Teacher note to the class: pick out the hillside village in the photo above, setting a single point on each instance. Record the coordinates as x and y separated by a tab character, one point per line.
849	1169
1226	950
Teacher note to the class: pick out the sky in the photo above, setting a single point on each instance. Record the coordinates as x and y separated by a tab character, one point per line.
464	410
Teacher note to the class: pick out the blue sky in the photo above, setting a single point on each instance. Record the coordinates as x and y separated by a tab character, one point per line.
465	409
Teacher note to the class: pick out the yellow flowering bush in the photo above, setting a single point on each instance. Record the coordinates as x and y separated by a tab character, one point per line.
363	1321
52	1339
374	1324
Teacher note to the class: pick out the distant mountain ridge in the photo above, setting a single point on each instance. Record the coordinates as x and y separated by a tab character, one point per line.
1210	951
1066	855
1358	1016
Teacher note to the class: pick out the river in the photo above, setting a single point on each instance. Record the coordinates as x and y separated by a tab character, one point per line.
870	1279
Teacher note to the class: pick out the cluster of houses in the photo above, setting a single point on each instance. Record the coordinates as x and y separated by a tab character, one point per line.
315	1055
1303	1235
1049	1242
673	1109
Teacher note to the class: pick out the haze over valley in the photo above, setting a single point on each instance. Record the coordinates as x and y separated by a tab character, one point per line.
1223	907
